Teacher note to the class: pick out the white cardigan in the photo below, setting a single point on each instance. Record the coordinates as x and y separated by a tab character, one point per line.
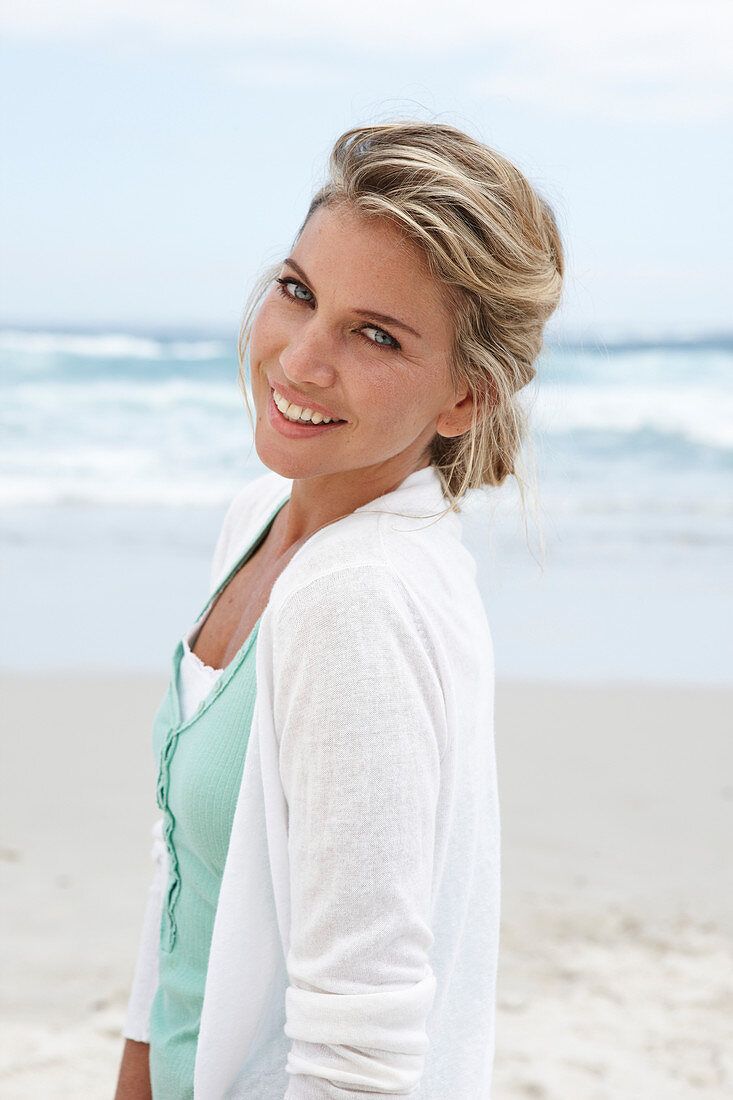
356	936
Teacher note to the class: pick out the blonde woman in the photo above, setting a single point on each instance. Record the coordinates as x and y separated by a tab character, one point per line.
324	917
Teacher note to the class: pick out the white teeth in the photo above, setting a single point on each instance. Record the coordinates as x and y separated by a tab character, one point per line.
296	412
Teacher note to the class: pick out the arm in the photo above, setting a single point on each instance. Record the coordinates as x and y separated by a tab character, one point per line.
361	720
133	1082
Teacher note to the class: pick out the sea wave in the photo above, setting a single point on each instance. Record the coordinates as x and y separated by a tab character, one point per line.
109	346
701	415
119	397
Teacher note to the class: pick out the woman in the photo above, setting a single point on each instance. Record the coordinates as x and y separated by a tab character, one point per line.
324	917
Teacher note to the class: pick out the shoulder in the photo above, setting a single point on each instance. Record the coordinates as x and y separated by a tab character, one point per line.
354	642
358	613
377	556
350	543
354	590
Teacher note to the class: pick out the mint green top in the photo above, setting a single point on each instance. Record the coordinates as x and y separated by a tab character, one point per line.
200	765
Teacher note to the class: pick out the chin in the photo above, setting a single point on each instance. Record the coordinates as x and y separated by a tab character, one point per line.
287	465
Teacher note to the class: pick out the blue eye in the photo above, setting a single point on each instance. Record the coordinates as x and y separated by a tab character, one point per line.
386	340
300	290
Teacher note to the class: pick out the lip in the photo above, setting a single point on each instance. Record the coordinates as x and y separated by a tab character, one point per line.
292	430
304	402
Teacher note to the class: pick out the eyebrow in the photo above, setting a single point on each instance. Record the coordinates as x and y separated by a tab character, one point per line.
384	317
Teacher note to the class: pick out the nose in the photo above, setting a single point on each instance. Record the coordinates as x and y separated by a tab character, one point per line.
309	355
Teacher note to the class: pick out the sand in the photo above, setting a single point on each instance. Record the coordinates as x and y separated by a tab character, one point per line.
616	965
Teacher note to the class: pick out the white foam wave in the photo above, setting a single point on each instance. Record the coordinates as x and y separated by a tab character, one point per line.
698	414
118	396
111	346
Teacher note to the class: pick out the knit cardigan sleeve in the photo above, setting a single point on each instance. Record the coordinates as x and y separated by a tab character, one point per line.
361	723
145	979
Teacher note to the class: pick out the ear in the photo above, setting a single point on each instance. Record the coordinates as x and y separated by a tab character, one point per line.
457	419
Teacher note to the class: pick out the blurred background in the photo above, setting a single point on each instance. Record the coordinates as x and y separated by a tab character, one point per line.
155	158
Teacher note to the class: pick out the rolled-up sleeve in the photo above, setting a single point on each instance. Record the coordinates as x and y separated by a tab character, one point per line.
360	716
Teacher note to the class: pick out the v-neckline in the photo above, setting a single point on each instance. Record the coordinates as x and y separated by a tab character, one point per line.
229	669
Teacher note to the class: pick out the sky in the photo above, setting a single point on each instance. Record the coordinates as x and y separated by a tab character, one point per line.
158	155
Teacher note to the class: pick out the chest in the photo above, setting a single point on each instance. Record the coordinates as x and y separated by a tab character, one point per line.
200	765
240	605
235	613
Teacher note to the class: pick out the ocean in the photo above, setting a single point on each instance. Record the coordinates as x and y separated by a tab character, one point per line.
119	454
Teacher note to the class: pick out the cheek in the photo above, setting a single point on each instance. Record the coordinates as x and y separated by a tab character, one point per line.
390	406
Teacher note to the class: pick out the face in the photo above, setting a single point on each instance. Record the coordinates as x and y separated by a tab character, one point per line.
355	327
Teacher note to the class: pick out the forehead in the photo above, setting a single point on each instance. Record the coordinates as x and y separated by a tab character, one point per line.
369	259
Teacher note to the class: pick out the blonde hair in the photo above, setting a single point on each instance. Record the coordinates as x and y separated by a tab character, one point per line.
493	244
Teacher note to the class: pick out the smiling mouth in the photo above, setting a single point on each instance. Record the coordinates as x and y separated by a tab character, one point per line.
298	429
301	414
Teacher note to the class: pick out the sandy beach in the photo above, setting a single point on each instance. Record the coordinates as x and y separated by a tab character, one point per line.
616	966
